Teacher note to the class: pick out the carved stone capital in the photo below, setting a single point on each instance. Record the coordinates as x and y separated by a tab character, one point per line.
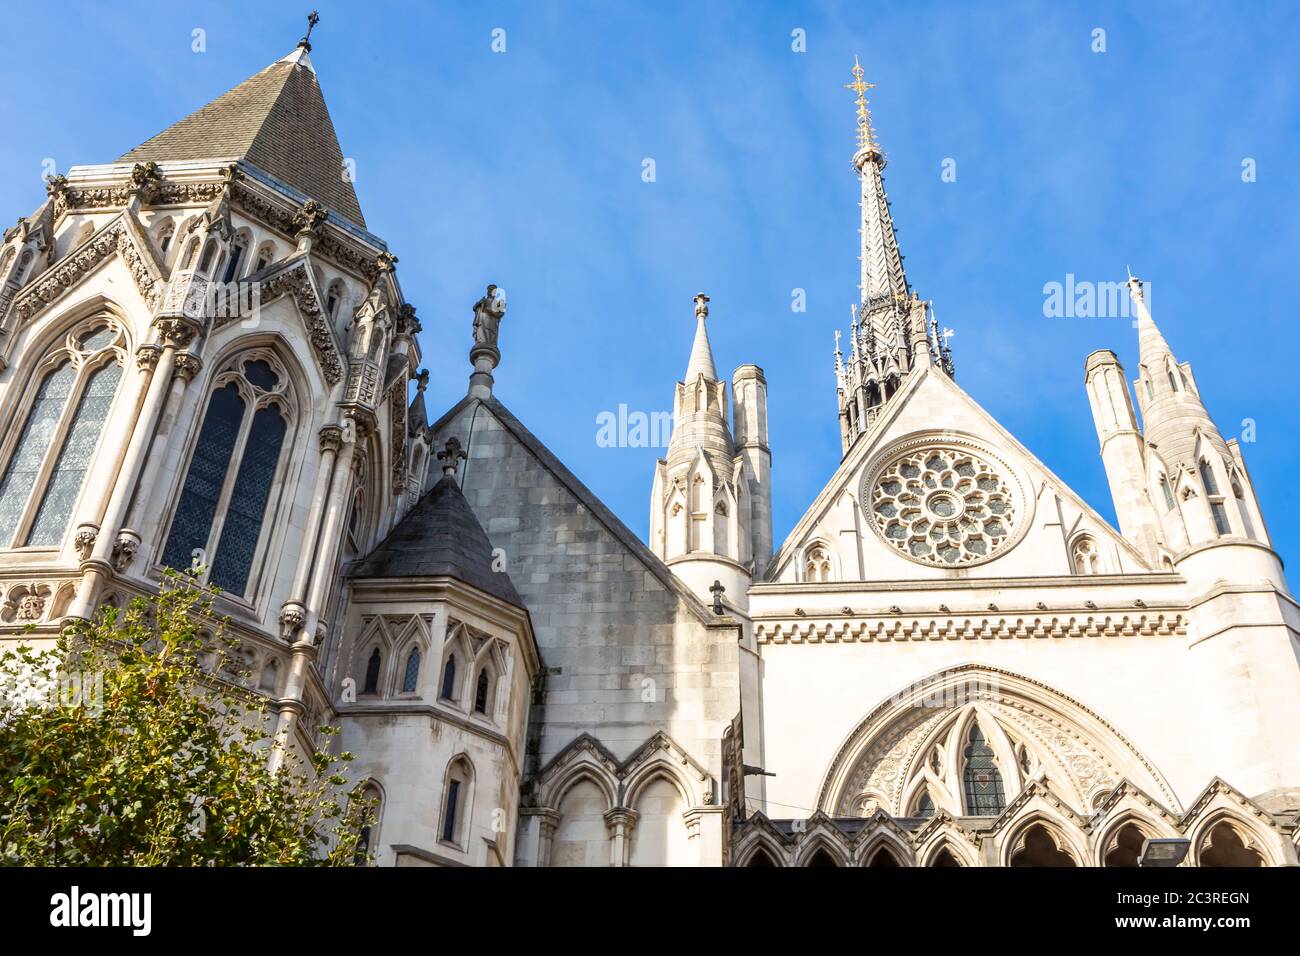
385	263
331	438
292	616
146	357
620	819
176	333
85	540
187	366
124	549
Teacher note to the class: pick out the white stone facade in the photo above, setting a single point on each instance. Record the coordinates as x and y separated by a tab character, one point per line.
951	660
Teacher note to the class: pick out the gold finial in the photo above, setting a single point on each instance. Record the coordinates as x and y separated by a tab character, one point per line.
866	135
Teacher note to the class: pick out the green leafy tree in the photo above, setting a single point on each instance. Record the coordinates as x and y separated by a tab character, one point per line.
123	747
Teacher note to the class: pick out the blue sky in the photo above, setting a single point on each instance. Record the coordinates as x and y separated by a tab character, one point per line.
524	168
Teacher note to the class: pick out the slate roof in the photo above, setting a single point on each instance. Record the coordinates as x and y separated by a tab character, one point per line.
439	537
277	121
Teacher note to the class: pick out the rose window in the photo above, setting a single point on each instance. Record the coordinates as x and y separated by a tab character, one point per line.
944	506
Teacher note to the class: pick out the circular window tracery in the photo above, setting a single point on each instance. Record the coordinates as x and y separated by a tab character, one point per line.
945	505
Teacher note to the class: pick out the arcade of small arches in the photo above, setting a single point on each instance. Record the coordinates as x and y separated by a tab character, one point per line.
1039	839
644	811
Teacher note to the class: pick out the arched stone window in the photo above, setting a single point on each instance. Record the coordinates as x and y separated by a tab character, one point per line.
164	238
983	782
334	298
482	688
817	563
1125	846
47	465
411	673
235	464
821	858
1084	554
369	837
1225	845
924	806
265	256
882	858
944	858
1243	509
373	666
457	802
1039	846
1168	492
209	261
448	690
235	258
1217	510
761	859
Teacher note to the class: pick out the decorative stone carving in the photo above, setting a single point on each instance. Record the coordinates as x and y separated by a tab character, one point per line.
25	603
331	438
146	357
113	238
187	366
292	617
296	281
84	540
945	503
309	218
124	549
176	333
146	181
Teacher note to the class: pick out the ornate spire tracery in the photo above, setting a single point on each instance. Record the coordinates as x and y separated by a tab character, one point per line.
889	332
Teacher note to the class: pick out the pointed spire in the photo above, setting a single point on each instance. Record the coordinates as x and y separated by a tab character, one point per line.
1150	342
701	362
275	120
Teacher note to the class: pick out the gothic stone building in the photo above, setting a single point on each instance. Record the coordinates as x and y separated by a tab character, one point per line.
950	660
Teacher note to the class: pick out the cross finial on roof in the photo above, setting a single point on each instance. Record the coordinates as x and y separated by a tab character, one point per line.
313	18
451	457
866	135
701	306
716	589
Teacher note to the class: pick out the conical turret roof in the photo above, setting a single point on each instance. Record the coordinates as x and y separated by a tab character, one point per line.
275	120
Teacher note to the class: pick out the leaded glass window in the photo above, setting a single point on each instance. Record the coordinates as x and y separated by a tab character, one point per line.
37	435
1220	517
224	502
1207	478
984	796
412	673
1169	494
70	468
202	492
243	525
925	806
48	464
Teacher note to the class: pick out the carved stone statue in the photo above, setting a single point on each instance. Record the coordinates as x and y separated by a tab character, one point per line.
488	313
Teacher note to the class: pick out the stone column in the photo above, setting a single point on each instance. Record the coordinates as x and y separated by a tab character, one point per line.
620	821
294	613
310	631
144	519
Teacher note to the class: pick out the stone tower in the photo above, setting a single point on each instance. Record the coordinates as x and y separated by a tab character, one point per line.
711	506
